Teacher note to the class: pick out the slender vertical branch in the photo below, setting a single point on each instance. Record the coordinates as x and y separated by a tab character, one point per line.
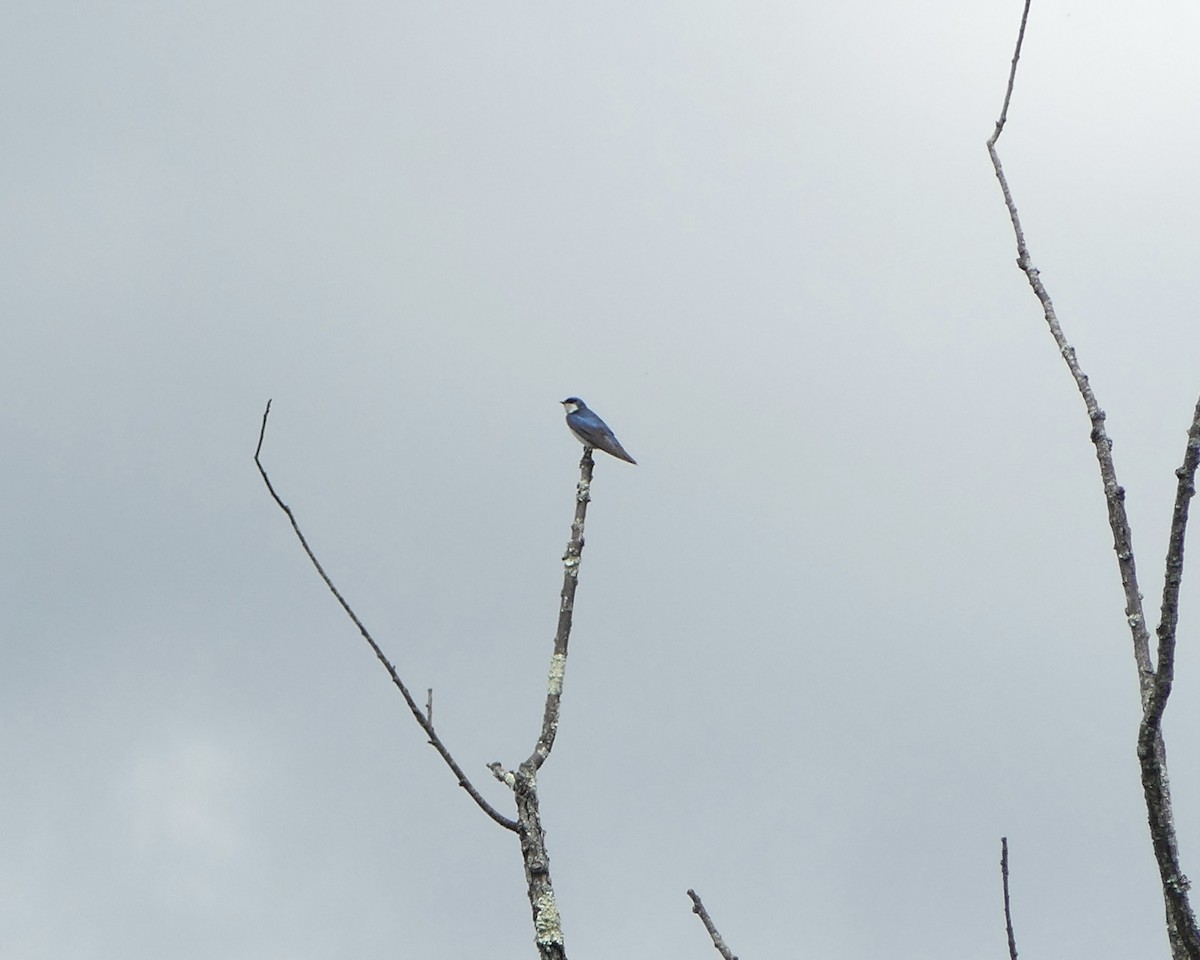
566	612
1008	925
1152	749
547	923
425	721
1173	576
523	780
1154	678
718	941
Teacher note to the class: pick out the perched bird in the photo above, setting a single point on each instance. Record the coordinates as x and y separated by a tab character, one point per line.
591	431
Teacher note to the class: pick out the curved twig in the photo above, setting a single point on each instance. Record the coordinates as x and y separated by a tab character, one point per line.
426	722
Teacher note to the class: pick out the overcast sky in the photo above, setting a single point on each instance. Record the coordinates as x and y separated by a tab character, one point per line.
852	617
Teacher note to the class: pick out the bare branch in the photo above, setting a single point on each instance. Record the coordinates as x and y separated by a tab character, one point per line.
547	923
566	611
1114	493
1154	685
698	909
1012	942
1152	749
1012	75
425	722
1173	576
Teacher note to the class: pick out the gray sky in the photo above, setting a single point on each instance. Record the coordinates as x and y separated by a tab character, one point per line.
853	616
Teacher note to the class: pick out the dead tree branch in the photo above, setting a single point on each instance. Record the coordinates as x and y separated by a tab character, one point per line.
1008	926
566	612
718	942
1154	677
426	722
523	780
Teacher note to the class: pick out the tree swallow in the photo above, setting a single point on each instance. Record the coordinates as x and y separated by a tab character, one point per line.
591	431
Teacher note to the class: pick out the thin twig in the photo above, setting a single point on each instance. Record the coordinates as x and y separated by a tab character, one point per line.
1154	678
425	722
718	942
1008	926
1012	74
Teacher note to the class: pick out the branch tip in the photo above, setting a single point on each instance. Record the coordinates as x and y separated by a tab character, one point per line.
717	941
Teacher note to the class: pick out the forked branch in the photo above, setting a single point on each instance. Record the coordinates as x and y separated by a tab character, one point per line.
523	780
1154	677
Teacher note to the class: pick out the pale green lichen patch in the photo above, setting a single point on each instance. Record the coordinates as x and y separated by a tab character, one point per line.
558	667
547	924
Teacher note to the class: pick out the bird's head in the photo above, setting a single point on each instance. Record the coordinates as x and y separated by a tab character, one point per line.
571	404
